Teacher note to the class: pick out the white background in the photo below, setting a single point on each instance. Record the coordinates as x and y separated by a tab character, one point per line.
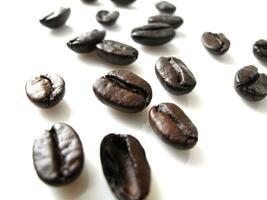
229	161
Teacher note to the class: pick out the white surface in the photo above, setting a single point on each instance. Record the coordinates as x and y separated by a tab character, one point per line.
229	161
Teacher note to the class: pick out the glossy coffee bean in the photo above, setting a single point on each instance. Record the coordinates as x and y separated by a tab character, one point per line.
174	75
45	91
86	42
250	84
174	21
56	19
173	126
125	167
260	50
106	18
165	7
58	155
216	44
123	2
153	34
116	52
123	90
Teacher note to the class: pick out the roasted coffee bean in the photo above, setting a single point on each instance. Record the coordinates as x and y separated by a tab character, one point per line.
153	34
174	75
86	42
216	44
58	155
123	90
173	21
260	50
251	85
106	18
116	52
45	91
125	166
56	19
173	126
165	7
123	2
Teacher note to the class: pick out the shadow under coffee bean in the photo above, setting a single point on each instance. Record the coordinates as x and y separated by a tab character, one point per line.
58	155
123	90
125	166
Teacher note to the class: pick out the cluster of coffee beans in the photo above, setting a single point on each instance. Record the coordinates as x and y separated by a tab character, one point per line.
58	153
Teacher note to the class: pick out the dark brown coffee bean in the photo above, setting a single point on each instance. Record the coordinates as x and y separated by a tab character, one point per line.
106	18
174	75
58	155
125	166
123	90
56	19
165	7
45	91
260	50
86	42
173	21
89	1
123	2
216	44
250	84
173	126
153	34
116	52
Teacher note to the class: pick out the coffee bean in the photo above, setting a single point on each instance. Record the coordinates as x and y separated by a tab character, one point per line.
58	155
125	167
56	19
165	7
86	42
173	126
116	52
123	90
106	18
260	50
45	91
174	75
173	21
153	34
251	85
123	2
216	44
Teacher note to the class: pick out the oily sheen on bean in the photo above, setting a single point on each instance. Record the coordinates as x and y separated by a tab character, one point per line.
116	52
125	167
86	42
173	126
57	18
45	91
216	44
250	84
174	75
153	34
58	155
123	90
